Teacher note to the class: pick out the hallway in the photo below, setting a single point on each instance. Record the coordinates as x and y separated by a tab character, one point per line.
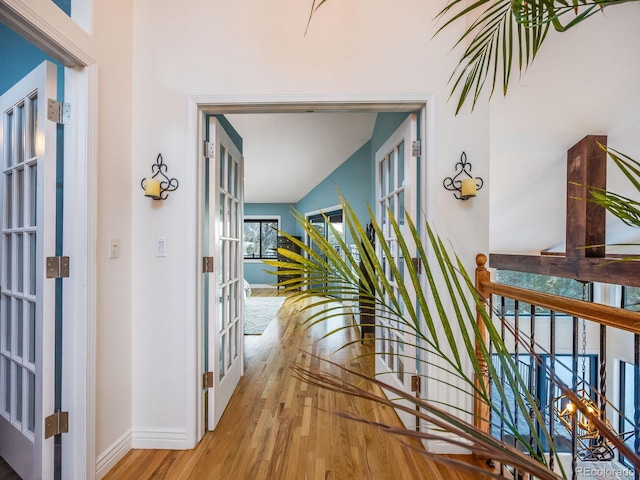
278	428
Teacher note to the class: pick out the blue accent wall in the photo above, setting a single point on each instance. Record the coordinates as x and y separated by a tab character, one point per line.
18	56
232	132
354	178
255	271
65	5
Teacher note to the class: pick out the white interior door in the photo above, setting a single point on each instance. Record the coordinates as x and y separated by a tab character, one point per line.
396	191
27	303
224	288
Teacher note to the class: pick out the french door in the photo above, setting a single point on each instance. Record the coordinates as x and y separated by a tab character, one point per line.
27	298
224	290
397	194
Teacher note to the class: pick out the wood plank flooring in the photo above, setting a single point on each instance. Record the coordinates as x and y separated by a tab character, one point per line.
6	472
277	427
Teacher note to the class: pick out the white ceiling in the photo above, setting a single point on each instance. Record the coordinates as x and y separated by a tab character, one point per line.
287	154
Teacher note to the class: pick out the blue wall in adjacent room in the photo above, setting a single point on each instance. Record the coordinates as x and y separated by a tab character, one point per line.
354	178
18	57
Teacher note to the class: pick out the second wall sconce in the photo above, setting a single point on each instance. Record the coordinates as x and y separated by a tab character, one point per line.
158	188
466	187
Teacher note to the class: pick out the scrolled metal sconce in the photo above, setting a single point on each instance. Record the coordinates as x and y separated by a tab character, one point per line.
466	187
157	189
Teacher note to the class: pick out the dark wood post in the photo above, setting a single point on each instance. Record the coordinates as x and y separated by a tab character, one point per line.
480	407
586	165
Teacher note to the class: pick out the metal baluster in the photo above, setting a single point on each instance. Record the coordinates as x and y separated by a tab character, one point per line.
574	418
502	334
551	382
636	417
516	327
532	370
603	376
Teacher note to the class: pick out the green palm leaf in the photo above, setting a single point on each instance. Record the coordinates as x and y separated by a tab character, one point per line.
492	40
443	339
503	27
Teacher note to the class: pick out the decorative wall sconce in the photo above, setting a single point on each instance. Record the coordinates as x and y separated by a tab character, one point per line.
466	186
156	188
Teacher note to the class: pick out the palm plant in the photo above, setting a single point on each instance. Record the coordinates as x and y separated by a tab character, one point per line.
446	337
622	207
504	32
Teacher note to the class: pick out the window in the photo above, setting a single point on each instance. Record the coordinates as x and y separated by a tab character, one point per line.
261	238
540	385
630	381
628	401
542	283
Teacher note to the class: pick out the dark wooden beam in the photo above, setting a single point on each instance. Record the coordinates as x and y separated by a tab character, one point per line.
605	270
586	165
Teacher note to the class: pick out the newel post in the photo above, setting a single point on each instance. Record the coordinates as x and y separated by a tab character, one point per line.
480	407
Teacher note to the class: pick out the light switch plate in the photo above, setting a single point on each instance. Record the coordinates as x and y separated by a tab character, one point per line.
161	247
114	247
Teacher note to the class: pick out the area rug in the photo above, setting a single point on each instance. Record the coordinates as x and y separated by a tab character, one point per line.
258	312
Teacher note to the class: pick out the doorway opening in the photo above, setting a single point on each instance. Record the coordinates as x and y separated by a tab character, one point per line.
199	109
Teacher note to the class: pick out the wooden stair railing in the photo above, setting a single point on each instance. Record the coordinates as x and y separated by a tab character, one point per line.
602	314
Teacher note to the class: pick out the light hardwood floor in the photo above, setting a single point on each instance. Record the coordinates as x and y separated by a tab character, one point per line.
279	428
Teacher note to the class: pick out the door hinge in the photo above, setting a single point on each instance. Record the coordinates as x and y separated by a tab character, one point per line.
57	267
416	148
58	112
56	424
209	150
417	265
207	380
207	264
415	383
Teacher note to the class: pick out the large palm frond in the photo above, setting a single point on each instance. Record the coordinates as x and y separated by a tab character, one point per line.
622	207
444	339
504	29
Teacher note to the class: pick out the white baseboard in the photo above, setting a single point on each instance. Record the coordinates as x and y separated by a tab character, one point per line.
157	439
262	285
116	452
442	447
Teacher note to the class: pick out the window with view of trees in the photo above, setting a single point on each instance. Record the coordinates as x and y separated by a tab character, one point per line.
543	283
260	238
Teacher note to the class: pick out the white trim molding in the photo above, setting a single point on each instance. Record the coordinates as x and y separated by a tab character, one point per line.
113	455
200	105
49	28
159	439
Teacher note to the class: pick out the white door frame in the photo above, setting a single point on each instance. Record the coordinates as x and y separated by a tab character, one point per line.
48	28
201	105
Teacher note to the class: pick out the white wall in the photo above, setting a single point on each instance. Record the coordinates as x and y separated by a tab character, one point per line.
112	33
259	48
584	81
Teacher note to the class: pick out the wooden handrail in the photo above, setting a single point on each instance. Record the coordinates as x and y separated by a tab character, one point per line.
620	318
602	314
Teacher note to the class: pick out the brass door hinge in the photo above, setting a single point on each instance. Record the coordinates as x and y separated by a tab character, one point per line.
58	112
57	267
415	383
417	265
56	424
207	264
207	380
